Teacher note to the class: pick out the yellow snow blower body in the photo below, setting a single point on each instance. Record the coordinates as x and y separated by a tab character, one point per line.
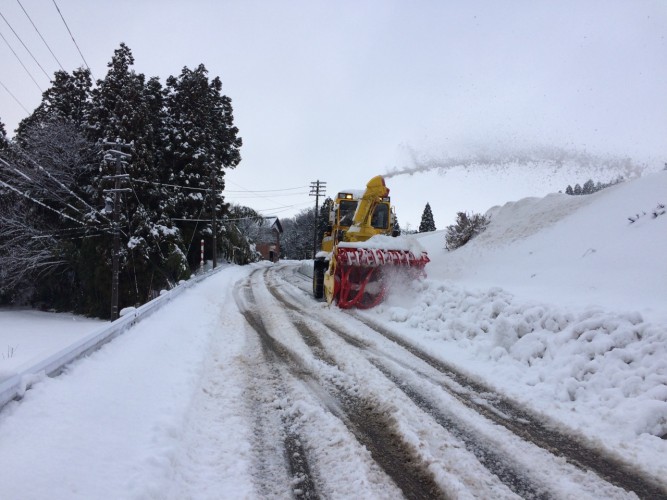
358	253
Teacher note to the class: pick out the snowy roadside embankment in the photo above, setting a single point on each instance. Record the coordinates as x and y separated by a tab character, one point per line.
48	355
111	426
561	304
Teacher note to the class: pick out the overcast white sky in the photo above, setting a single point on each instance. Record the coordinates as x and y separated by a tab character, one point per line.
343	90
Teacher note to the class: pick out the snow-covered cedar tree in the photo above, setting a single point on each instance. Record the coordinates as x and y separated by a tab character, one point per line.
323	224
179	138
396	229
466	228
588	187
241	225
201	143
591	187
66	100
427	224
3	136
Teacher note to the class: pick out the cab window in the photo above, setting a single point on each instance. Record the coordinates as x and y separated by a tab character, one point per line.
346	212
380	218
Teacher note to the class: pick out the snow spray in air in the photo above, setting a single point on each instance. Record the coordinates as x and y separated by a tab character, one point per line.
549	160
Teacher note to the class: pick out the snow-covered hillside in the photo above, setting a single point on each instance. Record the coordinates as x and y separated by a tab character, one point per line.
578	251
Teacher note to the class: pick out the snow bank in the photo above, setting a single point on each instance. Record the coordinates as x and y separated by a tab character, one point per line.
579	251
560	303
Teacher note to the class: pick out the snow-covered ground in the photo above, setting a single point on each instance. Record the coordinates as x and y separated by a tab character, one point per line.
28	336
560	304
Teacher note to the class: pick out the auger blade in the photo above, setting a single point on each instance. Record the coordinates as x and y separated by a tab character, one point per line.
360	273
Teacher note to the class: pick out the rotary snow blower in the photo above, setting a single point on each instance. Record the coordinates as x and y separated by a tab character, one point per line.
360	251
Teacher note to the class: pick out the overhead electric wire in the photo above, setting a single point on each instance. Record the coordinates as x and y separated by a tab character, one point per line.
14	97
54	179
283	209
25	46
20	61
264	197
262	190
27	196
172	185
40	35
245	196
72	36
38	184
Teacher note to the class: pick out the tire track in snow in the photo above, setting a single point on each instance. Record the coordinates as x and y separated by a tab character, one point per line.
368	422
501	411
303	485
530	428
495	463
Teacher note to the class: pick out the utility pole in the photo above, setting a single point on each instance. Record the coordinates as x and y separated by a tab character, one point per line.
117	190
317	189
214	222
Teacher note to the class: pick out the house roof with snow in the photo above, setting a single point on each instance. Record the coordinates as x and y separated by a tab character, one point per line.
271	222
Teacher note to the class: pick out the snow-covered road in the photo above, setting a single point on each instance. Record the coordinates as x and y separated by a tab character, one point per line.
245	387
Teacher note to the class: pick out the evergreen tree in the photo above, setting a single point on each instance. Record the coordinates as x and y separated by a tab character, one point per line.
396	229
66	100
241	229
577	189
568	190
125	108
182	137
4	141
427	224
588	187
466	228
323	224
202	143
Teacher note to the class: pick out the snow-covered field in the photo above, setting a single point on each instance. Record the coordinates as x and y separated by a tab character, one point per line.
28	336
560	304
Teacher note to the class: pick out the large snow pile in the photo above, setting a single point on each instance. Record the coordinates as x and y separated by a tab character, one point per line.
562	303
574	250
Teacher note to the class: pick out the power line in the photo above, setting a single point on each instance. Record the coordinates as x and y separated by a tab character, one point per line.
264	197
278	210
27	196
25	47
172	185
14	97
231	191
19	59
40	35
72	36
263	190
246	196
48	174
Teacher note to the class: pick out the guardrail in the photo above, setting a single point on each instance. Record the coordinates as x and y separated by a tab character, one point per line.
15	386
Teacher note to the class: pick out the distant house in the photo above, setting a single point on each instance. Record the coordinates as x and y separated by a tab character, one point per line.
268	239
